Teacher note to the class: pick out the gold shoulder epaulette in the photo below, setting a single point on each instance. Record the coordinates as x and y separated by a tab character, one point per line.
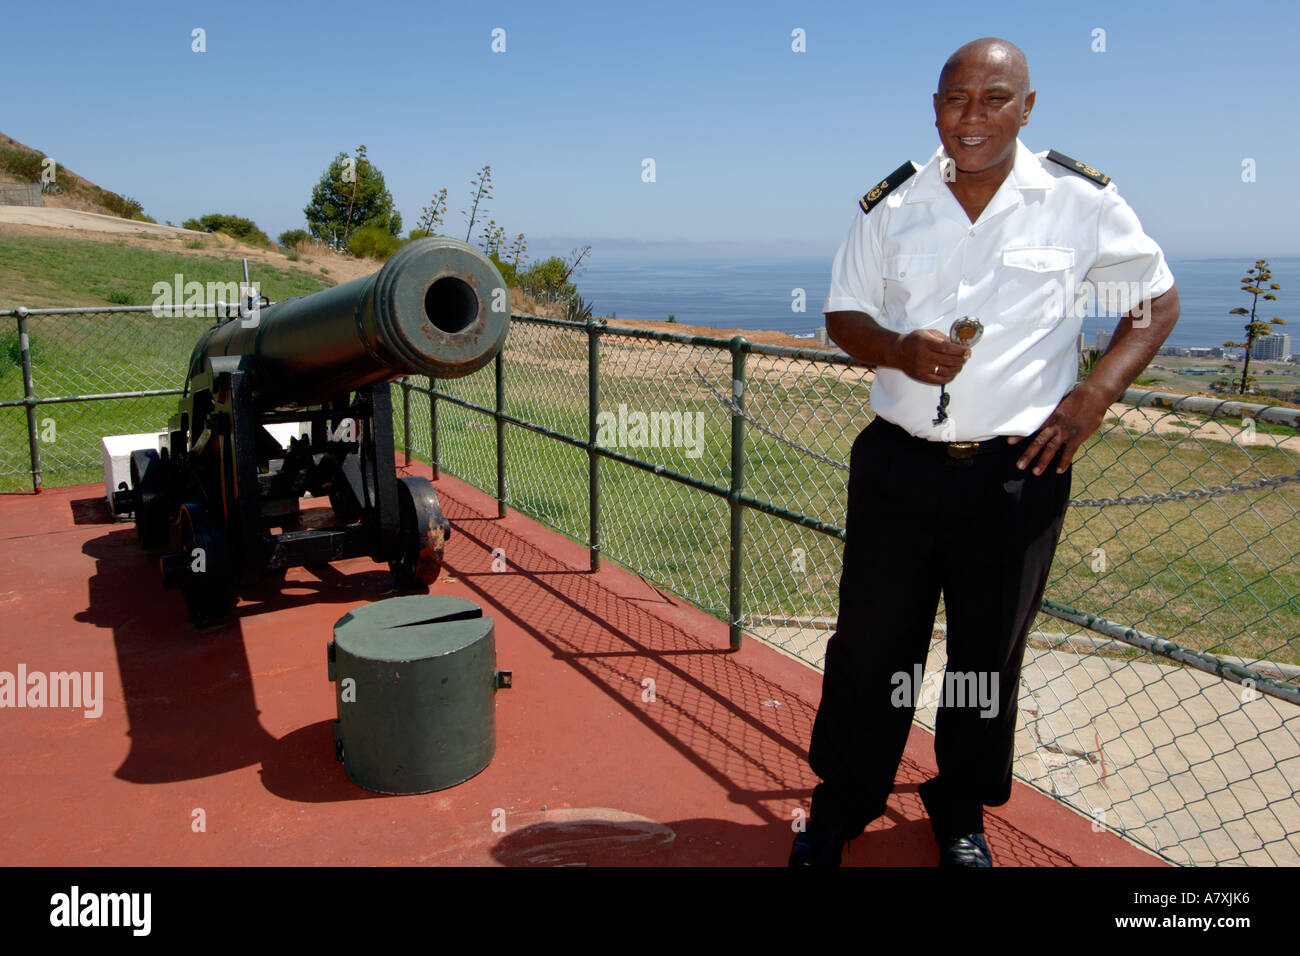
887	185
1083	169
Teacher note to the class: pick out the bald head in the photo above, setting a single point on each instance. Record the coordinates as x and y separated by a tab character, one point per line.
983	100
989	51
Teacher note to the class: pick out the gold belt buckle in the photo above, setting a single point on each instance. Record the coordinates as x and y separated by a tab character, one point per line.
963	449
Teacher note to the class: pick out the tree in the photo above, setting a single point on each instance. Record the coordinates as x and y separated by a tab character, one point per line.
431	215
517	251
1226	382
481	186
578	255
1253	282
492	239
351	194
549	280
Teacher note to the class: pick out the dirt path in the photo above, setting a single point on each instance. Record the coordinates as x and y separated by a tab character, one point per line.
1164	422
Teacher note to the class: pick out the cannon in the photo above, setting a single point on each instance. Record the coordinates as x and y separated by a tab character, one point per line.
221	495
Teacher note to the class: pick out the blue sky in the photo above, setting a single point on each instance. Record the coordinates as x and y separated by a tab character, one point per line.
758	150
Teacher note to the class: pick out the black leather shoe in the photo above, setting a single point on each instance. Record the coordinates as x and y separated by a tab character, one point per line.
819	845
967	850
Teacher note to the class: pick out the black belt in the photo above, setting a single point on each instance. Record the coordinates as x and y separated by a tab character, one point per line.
947	449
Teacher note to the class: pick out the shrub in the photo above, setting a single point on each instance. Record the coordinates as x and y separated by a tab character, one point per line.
123	207
373	242
507	269
291	238
545	281
26	166
121	297
237	227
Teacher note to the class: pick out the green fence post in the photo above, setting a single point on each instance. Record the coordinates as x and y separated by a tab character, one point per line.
29	398
593	459
501	434
736	585
433	426
406	419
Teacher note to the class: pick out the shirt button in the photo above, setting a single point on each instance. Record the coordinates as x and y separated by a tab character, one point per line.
971	233
902	275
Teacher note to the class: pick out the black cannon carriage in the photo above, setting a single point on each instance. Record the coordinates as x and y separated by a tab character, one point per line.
222	494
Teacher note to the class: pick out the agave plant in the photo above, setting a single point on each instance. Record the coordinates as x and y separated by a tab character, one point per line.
579	310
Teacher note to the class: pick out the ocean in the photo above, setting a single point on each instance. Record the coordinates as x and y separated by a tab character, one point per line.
758	294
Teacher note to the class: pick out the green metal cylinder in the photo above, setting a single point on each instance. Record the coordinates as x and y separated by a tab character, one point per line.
415	681
438	307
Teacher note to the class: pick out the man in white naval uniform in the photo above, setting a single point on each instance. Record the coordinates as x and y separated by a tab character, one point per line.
960	482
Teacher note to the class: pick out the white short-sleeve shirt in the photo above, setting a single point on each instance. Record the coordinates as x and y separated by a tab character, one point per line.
1024	268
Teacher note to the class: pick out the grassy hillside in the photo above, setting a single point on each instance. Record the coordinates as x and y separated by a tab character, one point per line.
39	272
96	353
24	164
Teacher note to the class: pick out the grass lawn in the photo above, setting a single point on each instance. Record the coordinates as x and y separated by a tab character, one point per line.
40	272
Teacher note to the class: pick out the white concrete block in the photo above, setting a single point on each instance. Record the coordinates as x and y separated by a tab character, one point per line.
117	459
283	431
118	448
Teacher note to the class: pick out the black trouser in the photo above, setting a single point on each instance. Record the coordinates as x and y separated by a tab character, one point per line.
919	521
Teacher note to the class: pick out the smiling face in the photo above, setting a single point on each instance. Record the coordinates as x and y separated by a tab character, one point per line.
983	100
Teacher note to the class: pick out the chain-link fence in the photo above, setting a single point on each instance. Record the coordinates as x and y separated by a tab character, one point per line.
21	194
1159	691
1160	686
70	376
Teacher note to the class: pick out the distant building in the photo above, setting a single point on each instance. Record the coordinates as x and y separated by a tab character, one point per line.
1175	351
1271	348
1103	341
1083	343
1201	352
820	334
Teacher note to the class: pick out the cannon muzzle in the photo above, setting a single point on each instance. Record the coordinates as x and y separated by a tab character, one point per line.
438	307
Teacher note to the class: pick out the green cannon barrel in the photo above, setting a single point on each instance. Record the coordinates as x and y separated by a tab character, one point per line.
438	307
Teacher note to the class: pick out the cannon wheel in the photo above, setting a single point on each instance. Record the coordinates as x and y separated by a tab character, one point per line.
206	580
422	534
148	477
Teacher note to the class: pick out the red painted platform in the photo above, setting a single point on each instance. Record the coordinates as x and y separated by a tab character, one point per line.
232	726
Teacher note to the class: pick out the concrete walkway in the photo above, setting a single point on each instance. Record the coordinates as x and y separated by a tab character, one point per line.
1179	760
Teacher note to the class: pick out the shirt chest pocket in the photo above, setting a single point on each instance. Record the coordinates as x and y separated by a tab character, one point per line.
910	279
1034	285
